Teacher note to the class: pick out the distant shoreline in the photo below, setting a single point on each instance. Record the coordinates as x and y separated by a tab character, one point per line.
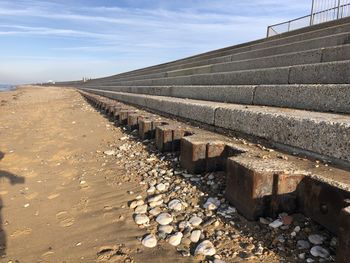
6	87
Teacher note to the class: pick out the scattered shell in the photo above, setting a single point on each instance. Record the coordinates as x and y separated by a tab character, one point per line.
175	205
212	203
149	241
164	219
142	209
141	219
155	211
195	236
175	239
316	239
318	251
205	248
195	221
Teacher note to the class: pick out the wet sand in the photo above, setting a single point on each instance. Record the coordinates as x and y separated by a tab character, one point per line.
61	200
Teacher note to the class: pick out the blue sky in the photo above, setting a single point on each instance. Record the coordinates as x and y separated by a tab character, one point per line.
67	39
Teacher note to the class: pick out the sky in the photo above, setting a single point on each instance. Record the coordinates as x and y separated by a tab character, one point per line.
63	40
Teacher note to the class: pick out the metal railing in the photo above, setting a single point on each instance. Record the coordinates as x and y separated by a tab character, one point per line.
321	11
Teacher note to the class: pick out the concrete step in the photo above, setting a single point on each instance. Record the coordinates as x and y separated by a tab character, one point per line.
259	181
320	134
284	50
319	73
223	55
327	98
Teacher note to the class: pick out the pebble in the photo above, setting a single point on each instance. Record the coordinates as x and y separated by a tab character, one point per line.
175	205
141	219
175	239
155	198
303	244
212	203
316	239
276	224
156	203
149	241
109	152
142	209
195	221
166	229
205	248
155	211
161	187
151	190
164	219
184	224
195	236
318	251
264	221
136	203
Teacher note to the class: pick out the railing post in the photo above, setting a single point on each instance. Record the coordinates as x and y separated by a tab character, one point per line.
312	12
338	9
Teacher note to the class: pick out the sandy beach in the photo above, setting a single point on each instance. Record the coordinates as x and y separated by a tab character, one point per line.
61	198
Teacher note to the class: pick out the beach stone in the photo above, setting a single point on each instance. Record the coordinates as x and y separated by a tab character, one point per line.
195	221
318	251
151	190
316	239
264	221
212	203
218	261
141	219
155	198
303	244
136	203
142	209
276	224
155	211
205	248
184	224
149	241
166	229
195	235
175	205
161	187
175	239
109	152
156	203
164	219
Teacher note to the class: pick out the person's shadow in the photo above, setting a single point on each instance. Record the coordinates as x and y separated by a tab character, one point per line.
14	179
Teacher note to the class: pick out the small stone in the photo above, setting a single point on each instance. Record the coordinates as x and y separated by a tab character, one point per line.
156	203
166	229
218	261
211	203
141	219
195	221
316	239
136	203
318	251
264	221
149	241
205	248
109	152
195	236
175	239
303	244
161	187
297	229
142	209
164	219
184	224
155	211
276	224
287	220
175	205
151	190
155	198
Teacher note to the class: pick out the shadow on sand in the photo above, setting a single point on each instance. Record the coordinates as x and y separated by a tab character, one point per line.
13	179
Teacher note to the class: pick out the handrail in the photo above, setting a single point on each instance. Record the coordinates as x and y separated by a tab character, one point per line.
341	10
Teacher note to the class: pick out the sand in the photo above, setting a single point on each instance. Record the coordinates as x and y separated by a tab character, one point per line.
60	200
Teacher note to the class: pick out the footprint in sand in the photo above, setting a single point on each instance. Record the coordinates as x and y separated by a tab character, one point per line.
21	232
53	196
113	254
65	219
82	204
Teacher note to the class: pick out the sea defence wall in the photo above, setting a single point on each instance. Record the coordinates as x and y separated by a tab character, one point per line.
291	91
